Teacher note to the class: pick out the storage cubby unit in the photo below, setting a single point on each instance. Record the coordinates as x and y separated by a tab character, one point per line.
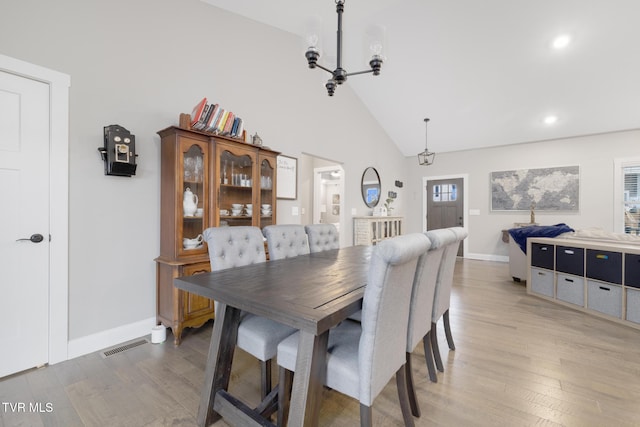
596	276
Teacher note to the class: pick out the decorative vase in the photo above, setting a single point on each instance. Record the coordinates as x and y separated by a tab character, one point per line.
189	203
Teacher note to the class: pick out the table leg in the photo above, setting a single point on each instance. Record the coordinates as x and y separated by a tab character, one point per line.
310	373
218	370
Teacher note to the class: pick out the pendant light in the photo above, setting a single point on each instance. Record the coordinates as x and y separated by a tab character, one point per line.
426	157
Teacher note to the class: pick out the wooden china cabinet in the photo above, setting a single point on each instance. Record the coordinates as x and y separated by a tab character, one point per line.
230	182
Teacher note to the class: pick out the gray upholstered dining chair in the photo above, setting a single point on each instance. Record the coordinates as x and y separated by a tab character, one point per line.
235	247
286	241
442	298
363	356
421	307
322	237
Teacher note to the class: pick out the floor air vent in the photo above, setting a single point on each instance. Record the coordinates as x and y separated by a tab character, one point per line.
122	348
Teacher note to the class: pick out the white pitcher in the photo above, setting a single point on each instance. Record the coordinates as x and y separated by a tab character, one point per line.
190	203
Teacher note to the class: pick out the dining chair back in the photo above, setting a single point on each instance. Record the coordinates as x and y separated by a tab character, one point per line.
442	297
363	356
421	308
322	237
286	241
236	247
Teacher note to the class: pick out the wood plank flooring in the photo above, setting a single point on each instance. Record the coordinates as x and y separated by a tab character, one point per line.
520	361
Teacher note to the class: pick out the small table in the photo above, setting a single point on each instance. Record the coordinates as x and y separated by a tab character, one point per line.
311	293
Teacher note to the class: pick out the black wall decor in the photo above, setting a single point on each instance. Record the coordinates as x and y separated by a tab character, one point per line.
119	151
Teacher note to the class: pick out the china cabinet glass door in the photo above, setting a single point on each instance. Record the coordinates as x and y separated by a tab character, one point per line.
236	188
267	199
193	199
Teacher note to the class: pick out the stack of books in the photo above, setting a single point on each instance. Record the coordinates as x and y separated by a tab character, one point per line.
210	117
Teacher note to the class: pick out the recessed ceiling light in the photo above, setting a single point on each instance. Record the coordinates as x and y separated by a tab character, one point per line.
549	120
561	41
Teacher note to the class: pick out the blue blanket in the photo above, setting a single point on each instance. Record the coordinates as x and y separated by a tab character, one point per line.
519	235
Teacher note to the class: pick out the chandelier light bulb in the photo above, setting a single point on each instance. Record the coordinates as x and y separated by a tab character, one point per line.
376	48
312	41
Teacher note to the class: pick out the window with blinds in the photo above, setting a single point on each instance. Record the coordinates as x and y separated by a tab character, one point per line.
631	197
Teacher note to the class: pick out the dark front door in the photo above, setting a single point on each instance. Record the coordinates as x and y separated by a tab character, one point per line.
445	204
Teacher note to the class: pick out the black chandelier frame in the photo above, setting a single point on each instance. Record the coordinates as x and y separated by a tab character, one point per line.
339	75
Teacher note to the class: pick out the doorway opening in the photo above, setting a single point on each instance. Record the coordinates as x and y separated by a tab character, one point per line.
326	203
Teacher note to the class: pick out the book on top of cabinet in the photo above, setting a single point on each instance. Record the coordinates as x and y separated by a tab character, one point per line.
212	118
196	114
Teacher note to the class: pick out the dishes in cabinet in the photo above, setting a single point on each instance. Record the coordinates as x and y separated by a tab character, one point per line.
224	212
192	243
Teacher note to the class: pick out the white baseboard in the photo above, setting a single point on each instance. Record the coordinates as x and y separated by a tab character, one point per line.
94	342
488	257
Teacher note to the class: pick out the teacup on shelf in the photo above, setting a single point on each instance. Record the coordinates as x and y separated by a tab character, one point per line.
192	243
224	212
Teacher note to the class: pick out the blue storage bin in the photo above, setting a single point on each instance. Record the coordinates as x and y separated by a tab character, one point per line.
542	255
604	265
632	270
570	260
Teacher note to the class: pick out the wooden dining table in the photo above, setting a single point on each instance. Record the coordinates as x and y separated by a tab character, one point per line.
311	293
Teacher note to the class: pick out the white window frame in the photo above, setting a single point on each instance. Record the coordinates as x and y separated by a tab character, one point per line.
618	190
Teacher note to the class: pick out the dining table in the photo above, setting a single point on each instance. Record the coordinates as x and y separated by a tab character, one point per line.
311	293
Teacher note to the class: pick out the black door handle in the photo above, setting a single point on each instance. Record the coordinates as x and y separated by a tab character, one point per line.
35	238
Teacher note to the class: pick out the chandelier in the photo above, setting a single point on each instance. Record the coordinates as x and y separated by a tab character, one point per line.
339	75
426	157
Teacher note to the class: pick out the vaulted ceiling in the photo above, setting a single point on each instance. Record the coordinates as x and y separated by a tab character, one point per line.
484	71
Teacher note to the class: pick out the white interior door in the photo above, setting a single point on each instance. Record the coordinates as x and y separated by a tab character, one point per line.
24	191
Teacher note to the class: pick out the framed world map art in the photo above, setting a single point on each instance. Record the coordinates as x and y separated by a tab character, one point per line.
548	189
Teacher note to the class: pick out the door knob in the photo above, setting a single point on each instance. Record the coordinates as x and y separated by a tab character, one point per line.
35	238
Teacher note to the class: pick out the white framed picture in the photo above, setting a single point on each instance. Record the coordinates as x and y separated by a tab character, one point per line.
287	182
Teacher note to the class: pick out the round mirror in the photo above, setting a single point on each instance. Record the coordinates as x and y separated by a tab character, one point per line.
370	187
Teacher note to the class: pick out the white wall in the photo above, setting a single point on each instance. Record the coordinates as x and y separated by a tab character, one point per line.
594	154
140	64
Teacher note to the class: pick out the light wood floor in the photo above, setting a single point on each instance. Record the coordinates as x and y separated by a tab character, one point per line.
520	361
